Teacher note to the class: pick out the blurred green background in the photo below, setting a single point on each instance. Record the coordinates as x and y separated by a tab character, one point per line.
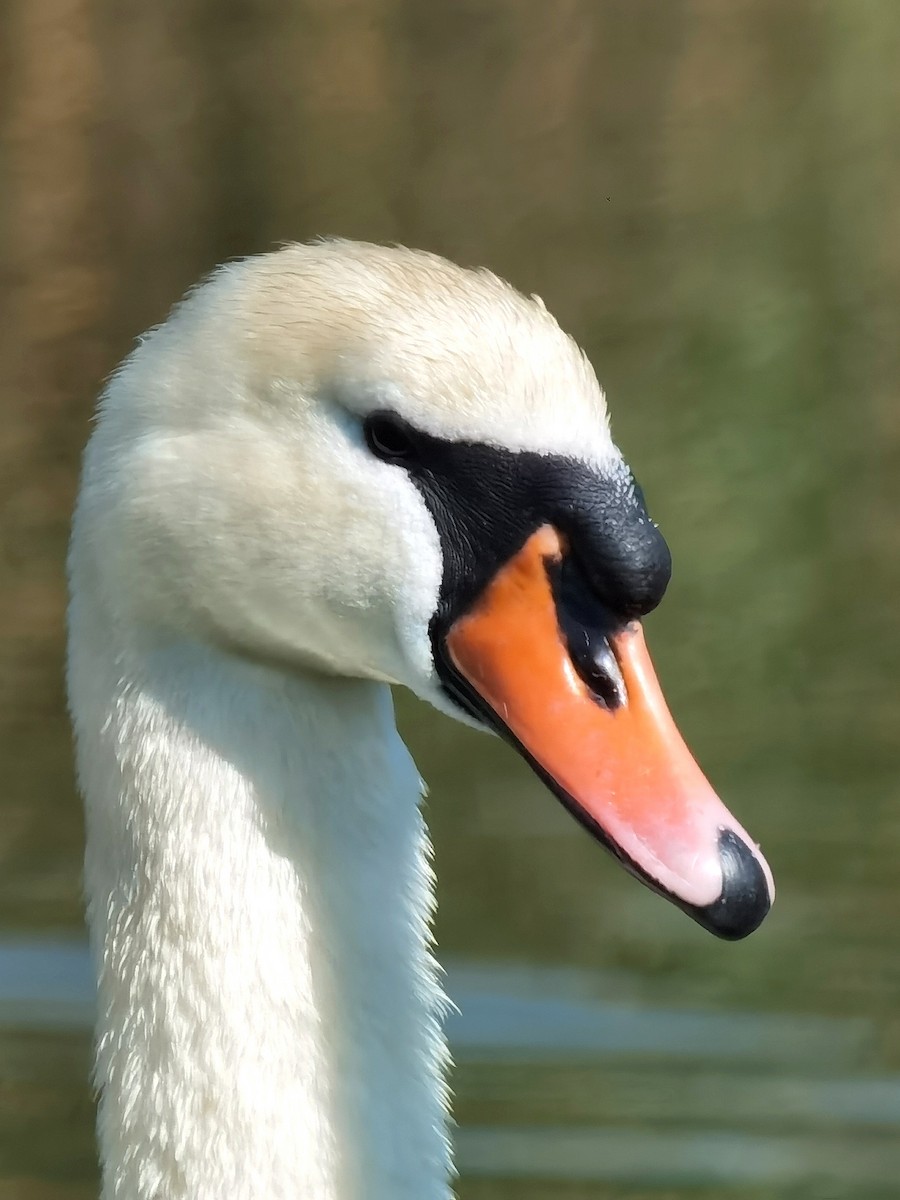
707	194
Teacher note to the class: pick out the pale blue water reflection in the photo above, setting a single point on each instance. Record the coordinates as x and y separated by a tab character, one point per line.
558	1084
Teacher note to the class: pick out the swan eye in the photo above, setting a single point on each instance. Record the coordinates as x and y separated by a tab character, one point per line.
388	437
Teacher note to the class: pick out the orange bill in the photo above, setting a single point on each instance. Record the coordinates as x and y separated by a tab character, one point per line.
608	748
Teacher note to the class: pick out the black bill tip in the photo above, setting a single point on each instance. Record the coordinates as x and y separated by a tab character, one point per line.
745	899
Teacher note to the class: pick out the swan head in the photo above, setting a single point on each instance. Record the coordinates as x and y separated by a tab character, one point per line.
367	462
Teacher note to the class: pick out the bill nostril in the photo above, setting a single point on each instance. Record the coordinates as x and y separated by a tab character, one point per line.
745	898
602	674
585	625
594	660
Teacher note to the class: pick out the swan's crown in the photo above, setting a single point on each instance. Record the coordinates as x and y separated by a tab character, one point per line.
460	353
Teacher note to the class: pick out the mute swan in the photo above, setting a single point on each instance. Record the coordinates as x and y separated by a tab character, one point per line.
333	468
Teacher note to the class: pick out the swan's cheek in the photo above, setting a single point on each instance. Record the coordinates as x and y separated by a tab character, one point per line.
352	586
323	557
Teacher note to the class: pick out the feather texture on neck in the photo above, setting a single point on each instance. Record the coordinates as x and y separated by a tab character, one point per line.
259	889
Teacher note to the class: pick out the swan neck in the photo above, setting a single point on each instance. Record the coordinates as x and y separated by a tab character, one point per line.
259	898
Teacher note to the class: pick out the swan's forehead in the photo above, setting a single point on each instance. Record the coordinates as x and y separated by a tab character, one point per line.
458	353
515	389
